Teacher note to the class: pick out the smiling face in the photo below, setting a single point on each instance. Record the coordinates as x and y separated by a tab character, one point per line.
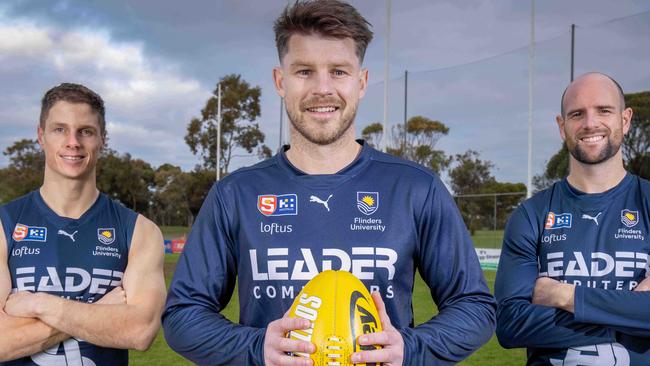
71	140
321	81
594	121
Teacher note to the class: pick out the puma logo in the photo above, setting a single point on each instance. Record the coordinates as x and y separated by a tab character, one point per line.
324	203
71	236
594	218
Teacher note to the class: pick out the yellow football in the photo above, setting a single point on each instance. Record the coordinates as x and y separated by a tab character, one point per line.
340	309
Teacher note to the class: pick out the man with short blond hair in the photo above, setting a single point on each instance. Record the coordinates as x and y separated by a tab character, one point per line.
81	277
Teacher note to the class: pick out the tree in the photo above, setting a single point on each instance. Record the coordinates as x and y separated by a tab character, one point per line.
477	192
200	183
469	176
556	169
418	145
126	179
25	171
470	173
636	150
510	196
422	135
240	106
170	198
372	134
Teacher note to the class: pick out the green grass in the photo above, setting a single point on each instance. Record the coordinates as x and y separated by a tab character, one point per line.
488	238
490	354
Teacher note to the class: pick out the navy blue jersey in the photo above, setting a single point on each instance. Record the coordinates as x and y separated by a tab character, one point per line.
78	259
273	228
600	243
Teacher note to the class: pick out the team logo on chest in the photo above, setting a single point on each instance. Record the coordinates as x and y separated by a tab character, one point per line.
106	235
277	205
368	202
557	221
29	233
629	218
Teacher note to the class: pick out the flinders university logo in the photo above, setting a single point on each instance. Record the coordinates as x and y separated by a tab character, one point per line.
367	202
281	205
557	221
629	218
106	235
29	233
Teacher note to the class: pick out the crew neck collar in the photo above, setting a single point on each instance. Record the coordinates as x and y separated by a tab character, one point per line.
325	180
596	200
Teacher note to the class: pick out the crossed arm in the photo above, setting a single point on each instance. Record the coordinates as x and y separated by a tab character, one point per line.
544	313
599	306
127	317
553	293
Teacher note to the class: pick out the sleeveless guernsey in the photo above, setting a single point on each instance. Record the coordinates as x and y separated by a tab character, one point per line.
77	259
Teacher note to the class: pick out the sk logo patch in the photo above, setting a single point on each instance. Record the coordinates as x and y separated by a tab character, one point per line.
629	218
29	233
106	235
557	221
282	205
367	202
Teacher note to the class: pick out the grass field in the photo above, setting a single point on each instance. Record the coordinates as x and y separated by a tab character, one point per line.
489	355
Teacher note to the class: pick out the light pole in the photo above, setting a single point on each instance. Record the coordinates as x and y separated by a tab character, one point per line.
531	67
218	162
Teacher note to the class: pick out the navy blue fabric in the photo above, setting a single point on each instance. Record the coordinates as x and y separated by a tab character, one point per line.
78	259
600	243
272	228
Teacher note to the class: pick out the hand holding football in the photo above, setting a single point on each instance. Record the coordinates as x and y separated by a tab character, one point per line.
340	310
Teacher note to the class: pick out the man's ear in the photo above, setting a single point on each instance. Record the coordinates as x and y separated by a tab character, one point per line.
363	79
278	81
41	135
627	119
560	124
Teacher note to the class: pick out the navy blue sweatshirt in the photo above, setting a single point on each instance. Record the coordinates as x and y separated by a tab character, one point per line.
598	242
270	228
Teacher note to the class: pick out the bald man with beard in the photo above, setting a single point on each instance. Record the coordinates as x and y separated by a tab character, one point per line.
573	283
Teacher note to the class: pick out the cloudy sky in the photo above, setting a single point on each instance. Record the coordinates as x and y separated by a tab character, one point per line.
156	63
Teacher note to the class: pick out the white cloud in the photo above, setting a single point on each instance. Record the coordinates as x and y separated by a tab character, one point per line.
24	40
149	96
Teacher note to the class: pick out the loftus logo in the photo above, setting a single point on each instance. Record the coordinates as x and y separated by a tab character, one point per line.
29	233
106	235
549	239
24	251
368	202
361	318
557	221
282	205
275	228
629	218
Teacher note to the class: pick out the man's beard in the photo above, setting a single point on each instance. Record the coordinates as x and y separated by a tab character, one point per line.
610	149
315	135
